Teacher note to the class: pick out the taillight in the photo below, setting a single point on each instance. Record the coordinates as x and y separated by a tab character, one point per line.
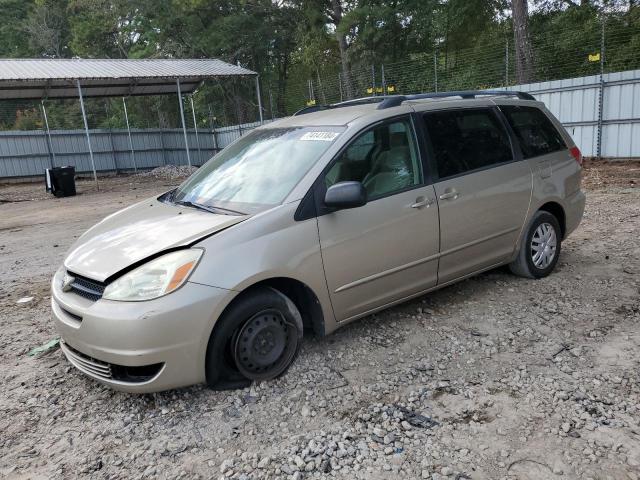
575	153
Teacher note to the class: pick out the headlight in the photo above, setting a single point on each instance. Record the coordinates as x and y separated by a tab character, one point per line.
154	279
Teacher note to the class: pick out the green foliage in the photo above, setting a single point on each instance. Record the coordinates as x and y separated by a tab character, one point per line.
105	28
454	43
28	119
14	14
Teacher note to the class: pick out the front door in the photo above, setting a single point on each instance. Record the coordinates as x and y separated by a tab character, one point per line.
483	192
387	249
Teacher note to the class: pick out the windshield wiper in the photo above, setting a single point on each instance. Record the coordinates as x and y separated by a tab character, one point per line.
207	208
233	212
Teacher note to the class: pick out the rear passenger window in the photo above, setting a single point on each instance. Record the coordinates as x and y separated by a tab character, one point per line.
535	132
465	140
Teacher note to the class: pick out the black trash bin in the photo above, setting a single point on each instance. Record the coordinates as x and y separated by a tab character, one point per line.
61	181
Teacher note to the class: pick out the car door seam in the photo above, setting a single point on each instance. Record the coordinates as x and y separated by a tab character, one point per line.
324	271
478	241
435	192
390	271
417	294
526	216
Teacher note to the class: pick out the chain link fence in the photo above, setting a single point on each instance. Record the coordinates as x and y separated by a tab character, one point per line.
598	48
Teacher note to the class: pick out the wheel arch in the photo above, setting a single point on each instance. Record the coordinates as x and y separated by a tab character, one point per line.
555	209
303	297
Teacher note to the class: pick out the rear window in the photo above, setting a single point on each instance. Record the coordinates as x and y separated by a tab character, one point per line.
466	140
535	132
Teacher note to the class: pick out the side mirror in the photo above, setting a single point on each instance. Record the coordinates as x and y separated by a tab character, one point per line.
346	195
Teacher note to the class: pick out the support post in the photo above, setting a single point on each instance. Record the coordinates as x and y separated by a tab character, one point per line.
340	86
506	63
195	126
184	125
601	95
86	130
384	81
323	97
126	118
213	131
273	117
373	81
435	70
259	98
114	155
52	155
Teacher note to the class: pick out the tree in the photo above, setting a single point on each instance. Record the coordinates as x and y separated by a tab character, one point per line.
289	42
522	39
47	28
325	17
106	28
336	13
14	15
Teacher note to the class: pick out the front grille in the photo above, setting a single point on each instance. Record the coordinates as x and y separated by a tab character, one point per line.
86	287
110	371
86	363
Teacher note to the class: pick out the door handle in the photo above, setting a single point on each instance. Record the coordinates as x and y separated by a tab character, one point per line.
449	195
422	202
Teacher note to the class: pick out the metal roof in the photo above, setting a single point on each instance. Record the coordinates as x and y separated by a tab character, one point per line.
56	78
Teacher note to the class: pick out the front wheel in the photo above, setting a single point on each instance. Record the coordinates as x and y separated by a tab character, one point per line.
256	339
540	247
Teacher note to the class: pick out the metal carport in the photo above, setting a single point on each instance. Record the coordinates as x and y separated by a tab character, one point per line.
24	79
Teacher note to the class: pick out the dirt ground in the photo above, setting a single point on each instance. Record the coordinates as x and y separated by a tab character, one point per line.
495	377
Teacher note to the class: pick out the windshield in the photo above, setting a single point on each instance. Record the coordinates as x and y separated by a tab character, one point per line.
257	171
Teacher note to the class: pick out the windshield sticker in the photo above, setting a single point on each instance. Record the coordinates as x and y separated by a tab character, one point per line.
319	136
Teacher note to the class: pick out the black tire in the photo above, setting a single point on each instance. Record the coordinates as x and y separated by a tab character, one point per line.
524	265
264	319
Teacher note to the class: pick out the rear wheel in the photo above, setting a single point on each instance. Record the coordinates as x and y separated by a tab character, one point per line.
256	339
540	247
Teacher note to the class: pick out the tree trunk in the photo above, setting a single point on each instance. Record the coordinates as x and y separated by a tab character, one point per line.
524	52
336	16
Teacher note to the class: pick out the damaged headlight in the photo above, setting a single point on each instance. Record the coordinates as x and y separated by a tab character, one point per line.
156	278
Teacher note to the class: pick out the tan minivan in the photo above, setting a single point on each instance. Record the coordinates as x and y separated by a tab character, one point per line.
308	223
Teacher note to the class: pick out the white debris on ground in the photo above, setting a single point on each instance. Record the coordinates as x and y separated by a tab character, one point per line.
169	172
497	377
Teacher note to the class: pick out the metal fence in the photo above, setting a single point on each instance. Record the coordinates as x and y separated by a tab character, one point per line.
28	153
602	113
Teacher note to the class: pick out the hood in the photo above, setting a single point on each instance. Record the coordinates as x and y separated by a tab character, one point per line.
138	232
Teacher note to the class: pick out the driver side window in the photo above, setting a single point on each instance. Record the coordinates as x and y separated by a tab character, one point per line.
384	159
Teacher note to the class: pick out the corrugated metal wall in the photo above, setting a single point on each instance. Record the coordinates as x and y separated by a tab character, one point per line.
25	154
575	102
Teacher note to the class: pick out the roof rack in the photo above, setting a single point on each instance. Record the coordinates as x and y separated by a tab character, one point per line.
346	103
395	100
389	101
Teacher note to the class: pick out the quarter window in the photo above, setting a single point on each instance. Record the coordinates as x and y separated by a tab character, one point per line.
534	131
466	140
384	159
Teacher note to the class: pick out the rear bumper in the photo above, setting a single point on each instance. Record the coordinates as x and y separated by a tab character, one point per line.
574	210
165	338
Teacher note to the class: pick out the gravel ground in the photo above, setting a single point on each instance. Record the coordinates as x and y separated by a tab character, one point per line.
495	377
